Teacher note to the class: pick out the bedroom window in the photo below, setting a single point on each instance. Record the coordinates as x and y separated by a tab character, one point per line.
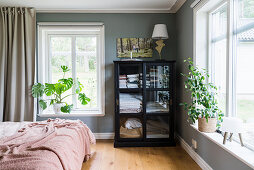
224	32
79	46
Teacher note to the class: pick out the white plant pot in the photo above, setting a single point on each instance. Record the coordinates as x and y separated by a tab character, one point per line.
57	107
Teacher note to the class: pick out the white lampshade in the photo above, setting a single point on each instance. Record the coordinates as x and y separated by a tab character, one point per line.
160	32
232	125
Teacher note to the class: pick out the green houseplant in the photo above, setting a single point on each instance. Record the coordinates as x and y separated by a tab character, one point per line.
57	91
204	105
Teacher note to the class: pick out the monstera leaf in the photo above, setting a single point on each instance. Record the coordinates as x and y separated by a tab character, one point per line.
43	104
37	90
67	108
79	86
60	88
83	99
65	68
49	89
67	82
56	90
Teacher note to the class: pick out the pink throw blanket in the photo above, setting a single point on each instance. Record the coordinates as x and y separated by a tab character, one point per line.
54	144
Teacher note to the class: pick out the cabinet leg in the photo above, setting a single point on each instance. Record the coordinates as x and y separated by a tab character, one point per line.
240	137
225	138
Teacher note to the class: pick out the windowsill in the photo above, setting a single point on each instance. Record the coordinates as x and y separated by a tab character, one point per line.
74	114
242	153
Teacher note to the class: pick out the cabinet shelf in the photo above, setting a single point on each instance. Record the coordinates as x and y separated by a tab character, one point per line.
158	114
153	124
131	114
157	89
130	90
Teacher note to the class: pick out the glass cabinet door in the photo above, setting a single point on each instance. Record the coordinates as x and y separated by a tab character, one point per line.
157	127
157	76
157	102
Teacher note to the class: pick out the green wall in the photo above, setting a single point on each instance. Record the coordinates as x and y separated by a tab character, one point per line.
117	25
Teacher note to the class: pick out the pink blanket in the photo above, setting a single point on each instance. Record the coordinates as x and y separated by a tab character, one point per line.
47	145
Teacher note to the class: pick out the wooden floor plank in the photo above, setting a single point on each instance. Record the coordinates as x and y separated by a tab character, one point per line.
106	157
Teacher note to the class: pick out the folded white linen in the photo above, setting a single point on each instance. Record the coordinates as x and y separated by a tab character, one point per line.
133	123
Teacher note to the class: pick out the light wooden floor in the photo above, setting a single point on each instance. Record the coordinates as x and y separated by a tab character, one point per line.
106	157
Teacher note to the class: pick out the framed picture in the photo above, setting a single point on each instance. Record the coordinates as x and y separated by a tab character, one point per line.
134	47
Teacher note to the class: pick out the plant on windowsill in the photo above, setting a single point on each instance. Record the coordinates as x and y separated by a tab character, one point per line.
204	105
57	90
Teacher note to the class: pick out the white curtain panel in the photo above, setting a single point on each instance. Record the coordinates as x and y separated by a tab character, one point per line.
17	63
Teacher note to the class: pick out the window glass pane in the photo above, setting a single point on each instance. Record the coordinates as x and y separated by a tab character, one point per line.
244	67
60	52
219	22
86	67
245	9
219	53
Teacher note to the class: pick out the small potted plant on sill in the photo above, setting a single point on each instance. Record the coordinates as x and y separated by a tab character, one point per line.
57	90
204	105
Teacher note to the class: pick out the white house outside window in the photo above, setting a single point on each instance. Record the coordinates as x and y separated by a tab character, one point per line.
79	46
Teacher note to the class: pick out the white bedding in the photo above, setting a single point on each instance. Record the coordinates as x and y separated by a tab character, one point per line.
9	128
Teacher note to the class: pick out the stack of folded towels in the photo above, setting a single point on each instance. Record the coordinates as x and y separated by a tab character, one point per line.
129	81
130	103
122	81
133	81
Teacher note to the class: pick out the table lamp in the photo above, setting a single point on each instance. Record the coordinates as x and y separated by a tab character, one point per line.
160	33
232	125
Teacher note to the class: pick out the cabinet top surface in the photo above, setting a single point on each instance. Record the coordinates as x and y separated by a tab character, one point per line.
150	61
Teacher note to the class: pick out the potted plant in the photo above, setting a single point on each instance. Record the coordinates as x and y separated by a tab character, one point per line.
204	105
57	91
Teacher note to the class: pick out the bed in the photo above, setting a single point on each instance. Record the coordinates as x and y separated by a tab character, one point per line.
55	144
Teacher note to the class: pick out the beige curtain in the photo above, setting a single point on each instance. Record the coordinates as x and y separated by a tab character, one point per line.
17	63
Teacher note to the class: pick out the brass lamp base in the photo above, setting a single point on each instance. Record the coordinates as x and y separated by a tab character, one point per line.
159	46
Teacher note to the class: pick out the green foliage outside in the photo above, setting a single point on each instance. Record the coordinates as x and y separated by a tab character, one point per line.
57	90
246	9
203	95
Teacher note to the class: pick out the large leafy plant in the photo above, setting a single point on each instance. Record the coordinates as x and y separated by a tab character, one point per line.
203	95
57	91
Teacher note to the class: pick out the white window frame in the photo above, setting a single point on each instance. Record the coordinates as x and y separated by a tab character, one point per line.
48	29
208	6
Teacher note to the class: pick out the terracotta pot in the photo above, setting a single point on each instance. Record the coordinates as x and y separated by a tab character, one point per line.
208	127
57	107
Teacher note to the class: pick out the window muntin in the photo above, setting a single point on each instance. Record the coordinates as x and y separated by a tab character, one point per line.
81	48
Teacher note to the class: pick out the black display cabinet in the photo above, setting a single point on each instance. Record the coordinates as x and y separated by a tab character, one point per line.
144	103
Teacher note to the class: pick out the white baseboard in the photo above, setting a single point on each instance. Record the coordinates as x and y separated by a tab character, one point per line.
104	135
193	154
